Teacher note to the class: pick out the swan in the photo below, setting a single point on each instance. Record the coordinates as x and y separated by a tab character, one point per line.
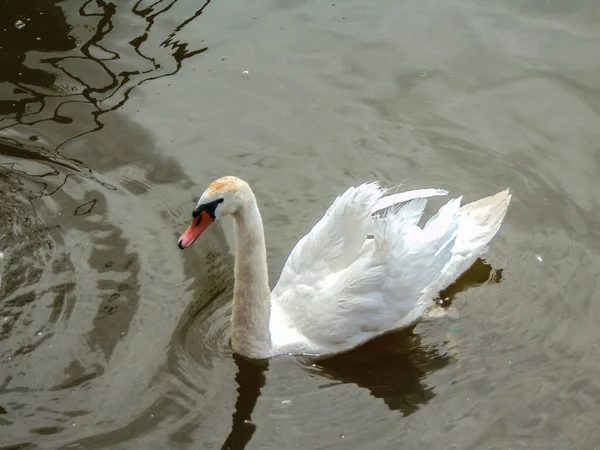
365	268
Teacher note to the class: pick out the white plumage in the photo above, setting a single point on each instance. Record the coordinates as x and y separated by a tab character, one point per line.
366	268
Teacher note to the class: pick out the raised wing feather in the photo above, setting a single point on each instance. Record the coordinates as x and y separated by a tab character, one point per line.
403	197
335	240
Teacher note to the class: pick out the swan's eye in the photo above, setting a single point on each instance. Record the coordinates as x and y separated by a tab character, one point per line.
209	208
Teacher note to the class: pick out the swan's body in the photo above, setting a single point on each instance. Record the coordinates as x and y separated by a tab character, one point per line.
366	268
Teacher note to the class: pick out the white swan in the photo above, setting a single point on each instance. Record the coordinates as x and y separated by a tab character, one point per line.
365	269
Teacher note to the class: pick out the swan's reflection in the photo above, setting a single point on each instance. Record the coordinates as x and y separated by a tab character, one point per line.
250	378
391	368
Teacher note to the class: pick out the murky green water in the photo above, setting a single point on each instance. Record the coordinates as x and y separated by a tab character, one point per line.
114	117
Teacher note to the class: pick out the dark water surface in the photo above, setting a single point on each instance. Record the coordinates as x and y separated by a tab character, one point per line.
113	118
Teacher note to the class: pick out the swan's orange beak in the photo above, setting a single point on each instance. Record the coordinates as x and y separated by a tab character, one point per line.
199	224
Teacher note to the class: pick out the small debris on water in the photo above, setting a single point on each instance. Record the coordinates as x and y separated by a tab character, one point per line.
539	258
443	301
19	24
245	72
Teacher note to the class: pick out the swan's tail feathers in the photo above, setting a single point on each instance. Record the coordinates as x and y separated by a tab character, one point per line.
479	222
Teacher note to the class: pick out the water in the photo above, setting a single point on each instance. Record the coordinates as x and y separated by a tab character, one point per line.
115	117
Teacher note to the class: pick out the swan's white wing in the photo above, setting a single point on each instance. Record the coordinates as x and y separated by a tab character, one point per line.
338	287
335	240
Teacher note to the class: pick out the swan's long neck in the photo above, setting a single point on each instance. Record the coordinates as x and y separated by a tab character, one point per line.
251	295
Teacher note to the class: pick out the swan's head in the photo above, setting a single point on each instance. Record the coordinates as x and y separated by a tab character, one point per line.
222	197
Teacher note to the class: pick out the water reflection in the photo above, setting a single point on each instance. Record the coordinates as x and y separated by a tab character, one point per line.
77	279
45	30
83	61
251	379
392	369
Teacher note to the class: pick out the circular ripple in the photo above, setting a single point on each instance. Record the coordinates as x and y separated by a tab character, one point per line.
209	336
